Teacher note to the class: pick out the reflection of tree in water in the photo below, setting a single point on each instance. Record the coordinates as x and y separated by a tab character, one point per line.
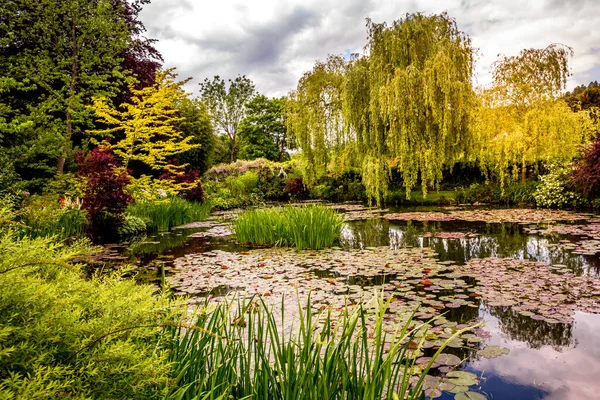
535	333
367	233
492	240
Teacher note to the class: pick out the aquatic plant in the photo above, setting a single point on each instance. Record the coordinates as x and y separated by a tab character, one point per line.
308	227
164	214
240	348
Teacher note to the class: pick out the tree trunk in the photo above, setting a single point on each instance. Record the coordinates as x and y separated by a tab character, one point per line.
523	170
232	149
69	115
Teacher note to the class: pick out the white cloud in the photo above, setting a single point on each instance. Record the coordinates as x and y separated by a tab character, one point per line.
275	41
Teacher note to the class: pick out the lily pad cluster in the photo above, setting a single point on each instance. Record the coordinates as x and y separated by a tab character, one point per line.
522	216
531	288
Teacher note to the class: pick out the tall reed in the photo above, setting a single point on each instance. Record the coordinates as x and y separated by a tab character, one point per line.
307	227
165	214
237	349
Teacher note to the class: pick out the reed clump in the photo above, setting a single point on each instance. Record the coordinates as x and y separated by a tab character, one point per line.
162	215
307	227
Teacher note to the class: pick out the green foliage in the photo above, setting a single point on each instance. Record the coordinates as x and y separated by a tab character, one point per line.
132	225
522	121
227	105
196	124
512	194
324	357
162	215
50	215
242	185
221	182
65	336
262	133
55	56
344	186
554	189
10	181
410	100
308	227
314	116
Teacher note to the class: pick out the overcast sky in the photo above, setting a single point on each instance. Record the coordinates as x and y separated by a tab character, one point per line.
275	41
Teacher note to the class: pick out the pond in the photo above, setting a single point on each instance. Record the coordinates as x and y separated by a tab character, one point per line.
532	276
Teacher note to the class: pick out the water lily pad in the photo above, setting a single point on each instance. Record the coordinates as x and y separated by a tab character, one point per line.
432	393
459	389
493	351
448	359
470	396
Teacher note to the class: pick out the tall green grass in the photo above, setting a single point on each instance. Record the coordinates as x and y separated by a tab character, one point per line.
308	227
237	349
165	214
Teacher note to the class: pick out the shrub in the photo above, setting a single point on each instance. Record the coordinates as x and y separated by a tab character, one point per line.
105	198
326	357
132	225
586	172
242	185
196	193
51	215
162	215
65	336
295	189
308	227
554	191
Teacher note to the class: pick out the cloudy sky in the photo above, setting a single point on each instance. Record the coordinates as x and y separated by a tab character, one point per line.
275	41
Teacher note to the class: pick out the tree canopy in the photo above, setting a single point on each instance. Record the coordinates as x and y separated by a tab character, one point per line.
314	116
227	105
263	133
522	121
55	56
407	102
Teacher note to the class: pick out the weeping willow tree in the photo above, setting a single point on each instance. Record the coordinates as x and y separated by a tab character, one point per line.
409	101
314	116
521	121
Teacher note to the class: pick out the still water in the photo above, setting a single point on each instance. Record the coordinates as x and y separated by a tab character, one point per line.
558	361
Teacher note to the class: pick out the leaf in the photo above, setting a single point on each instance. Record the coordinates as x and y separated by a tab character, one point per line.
470	396
493	351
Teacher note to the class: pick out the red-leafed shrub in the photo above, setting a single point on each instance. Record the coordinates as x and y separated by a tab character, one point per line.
105	198
586	174
194	194
296	189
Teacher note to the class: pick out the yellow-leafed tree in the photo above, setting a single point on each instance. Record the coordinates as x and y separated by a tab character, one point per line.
522	121
147	130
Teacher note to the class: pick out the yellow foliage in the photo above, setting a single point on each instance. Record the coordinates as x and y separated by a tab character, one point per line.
147	124
147	128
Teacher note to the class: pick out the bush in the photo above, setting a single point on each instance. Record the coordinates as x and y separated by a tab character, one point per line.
295	189
309	227
242	185
586	172
162	215
132	225
105	198
554	190
191	177
65	336
50	215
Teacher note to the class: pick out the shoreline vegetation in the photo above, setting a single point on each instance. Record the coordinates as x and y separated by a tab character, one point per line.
100	144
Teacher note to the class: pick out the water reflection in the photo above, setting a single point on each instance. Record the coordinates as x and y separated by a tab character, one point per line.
491	240
562	366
